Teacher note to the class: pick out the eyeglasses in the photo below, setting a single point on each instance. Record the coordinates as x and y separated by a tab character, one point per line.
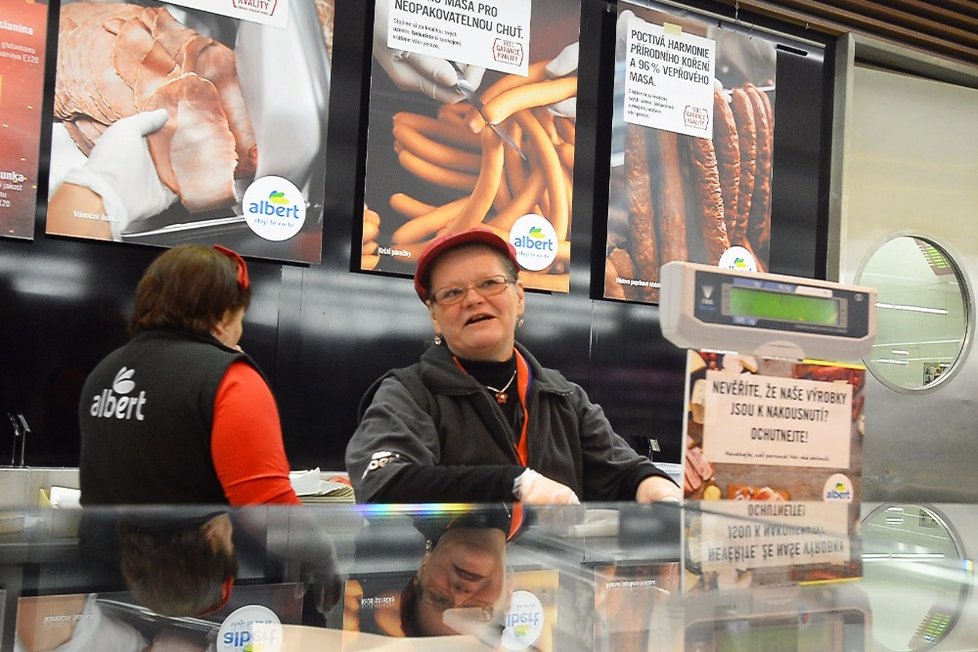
487	287
227	587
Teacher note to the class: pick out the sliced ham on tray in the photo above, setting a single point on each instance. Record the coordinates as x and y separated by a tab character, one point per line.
196	125
117	59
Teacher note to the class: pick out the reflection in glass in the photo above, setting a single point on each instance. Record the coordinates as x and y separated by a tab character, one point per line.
460	584
179	569
922	313
915	575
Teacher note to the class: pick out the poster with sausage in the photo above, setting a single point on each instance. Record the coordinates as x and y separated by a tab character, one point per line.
692	147
176	124
23	34
472	123
774	451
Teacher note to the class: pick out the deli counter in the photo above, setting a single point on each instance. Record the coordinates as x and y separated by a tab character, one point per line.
608	577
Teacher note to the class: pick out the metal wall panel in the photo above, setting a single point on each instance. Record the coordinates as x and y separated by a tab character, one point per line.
913	173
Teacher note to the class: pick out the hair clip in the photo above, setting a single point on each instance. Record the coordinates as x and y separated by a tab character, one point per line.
227	588
239	261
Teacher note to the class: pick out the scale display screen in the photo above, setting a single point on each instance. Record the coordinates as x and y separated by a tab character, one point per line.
705	307
781	306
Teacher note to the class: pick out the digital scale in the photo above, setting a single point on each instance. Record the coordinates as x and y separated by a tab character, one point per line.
706	307
774	398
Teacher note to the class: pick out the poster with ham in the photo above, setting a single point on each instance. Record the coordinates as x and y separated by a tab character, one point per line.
23	33
495	149
692	147
177	124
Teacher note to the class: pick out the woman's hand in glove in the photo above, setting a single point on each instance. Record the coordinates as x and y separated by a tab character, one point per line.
562	65
410	71
537	489
121	171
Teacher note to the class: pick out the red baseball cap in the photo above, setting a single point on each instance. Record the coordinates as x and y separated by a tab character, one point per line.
441	244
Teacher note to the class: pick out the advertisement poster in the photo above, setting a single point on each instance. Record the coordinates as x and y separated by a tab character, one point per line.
774	452
177	124
494	150
23	32
692	148
114	621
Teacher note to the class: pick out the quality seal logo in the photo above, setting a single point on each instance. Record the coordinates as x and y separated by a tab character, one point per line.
696	117
274	208
535	241
838	489
524	621
253	628
262	7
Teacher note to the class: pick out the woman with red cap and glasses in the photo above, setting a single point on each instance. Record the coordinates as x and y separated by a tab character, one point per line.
478	419
180	415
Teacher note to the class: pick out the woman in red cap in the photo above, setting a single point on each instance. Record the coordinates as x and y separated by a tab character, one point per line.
478	419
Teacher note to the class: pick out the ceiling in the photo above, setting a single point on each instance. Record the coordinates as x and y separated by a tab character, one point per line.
947	28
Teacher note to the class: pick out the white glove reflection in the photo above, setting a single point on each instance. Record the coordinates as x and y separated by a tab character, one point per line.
121	171
425	74
562	65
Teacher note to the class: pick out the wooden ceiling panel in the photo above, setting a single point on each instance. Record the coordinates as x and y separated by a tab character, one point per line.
948	28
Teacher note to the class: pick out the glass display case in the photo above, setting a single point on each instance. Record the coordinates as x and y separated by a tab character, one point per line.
616	576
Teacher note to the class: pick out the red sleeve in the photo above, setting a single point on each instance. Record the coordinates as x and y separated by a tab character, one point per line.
246	440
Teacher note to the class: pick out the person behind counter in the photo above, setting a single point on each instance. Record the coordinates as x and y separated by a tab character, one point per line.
478	418
180	415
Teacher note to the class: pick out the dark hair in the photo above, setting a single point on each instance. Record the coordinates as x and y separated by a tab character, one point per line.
174	572
188	288
409	608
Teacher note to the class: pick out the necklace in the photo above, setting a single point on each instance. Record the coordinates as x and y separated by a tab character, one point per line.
501	395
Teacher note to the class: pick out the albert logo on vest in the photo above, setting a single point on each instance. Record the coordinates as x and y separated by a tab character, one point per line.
115	403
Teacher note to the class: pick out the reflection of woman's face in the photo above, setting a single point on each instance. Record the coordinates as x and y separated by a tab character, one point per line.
465	569
477	327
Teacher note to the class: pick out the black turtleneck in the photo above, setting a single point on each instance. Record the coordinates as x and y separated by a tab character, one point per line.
497	374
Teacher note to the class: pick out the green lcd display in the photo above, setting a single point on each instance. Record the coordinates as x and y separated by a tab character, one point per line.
779	306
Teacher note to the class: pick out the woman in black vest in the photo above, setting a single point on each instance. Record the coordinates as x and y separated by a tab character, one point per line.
180	415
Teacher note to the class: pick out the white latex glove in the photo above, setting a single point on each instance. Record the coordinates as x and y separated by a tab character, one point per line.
425	74
562	65
655	489
121	171
536	489
621	28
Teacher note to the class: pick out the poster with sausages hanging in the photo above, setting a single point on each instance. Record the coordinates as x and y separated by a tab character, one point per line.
192	121
23	34
472	123
692	148
774	452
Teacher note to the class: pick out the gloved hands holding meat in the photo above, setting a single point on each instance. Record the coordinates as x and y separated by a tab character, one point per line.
488	183
116	60
121	171
562	65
